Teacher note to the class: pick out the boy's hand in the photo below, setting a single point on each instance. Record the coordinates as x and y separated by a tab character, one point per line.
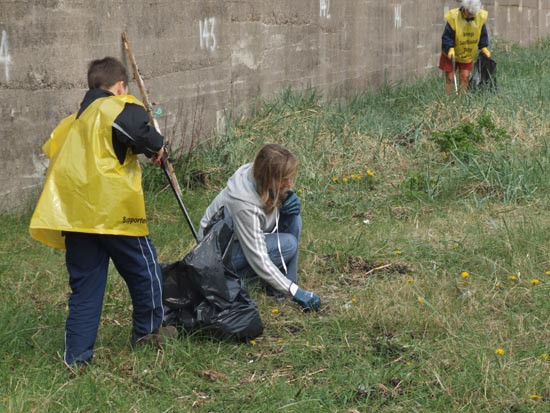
158	156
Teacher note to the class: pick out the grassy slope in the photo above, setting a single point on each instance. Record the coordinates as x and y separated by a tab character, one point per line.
400	329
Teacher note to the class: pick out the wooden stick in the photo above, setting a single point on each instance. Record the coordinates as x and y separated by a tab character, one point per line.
164	161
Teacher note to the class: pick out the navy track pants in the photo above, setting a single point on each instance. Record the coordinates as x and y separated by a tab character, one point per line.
87	260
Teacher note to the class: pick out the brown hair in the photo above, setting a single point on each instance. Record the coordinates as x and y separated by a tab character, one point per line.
272	165
104	73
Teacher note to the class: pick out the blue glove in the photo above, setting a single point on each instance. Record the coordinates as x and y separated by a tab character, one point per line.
291	205
308	300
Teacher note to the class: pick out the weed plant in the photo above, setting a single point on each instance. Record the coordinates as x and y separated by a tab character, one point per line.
425	233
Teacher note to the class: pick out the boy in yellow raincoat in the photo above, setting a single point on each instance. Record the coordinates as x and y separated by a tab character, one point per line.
465	32
92	205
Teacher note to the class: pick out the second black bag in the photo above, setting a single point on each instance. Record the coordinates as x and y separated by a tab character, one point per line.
484	74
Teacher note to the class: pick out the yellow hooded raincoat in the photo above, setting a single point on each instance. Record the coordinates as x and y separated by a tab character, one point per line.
87	189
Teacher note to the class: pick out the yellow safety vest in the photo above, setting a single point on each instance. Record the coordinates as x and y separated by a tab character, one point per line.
467	33
87	189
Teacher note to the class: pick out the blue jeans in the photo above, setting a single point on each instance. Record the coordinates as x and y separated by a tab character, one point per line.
289	236
87	260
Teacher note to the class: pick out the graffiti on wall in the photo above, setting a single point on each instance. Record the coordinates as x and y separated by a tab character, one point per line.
207	34
397	16
5	57
324	8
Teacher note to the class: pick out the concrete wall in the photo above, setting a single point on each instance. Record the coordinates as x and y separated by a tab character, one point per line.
203	58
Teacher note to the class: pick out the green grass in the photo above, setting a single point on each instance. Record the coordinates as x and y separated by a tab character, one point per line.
400	328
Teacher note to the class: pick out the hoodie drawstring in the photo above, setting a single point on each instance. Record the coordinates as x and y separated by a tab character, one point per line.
279	241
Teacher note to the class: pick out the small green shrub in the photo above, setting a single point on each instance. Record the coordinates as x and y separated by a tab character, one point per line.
463	139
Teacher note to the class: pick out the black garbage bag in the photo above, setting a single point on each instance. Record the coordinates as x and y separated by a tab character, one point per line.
201	293
484	74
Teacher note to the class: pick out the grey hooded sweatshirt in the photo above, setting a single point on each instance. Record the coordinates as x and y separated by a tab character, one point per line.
250	223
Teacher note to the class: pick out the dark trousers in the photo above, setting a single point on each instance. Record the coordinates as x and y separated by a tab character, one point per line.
87	259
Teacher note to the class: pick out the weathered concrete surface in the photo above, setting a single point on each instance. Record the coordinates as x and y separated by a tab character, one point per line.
203	58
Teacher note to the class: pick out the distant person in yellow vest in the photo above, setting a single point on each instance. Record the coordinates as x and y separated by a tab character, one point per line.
465	33
92	205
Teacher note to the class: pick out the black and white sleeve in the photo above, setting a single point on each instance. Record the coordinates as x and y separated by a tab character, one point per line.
132	129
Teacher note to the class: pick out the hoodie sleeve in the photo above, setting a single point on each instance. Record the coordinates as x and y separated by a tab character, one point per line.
133	129
248	230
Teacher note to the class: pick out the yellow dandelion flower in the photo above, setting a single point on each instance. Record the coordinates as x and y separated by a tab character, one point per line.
354	300
497	284
534	281
456	245
253	342
344	180
397	252
545	356
299	191
445	155
410	280
280	340
370	173
352	176
420	300
547	272
359	177
334	179
535	397
274	310
407	363
512	278
464	274
499	352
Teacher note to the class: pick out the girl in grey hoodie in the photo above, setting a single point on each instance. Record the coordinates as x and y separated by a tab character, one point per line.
266	222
